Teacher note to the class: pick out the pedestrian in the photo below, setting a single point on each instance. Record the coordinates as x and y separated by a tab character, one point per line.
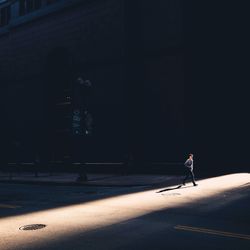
189	164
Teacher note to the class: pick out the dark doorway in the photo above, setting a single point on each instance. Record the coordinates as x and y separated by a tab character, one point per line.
55	141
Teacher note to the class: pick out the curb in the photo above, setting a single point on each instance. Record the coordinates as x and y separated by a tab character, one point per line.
50	183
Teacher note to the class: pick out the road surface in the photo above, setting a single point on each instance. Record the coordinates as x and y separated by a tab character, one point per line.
213	215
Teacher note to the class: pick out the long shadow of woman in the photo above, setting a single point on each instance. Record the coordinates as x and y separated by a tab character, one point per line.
169	189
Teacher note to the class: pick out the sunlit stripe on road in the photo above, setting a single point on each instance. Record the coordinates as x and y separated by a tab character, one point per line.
8	206
215	232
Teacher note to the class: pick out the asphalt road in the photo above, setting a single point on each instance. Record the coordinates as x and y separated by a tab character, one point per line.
213	215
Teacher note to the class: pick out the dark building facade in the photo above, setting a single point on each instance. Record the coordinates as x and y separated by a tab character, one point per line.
138	55
45	46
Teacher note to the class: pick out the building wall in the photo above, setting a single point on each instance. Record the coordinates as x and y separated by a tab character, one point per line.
164	62
82	35
132	51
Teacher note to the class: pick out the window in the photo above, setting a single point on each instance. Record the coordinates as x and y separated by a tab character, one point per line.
4	16
27	6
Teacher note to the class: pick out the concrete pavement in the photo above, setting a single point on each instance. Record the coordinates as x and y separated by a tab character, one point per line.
213	215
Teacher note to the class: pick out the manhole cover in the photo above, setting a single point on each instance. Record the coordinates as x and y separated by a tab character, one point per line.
171	194
32	227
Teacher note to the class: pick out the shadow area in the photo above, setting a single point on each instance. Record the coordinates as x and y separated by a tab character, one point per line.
174	188
169	189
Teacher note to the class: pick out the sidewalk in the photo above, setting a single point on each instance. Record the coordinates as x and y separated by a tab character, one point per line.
93	179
